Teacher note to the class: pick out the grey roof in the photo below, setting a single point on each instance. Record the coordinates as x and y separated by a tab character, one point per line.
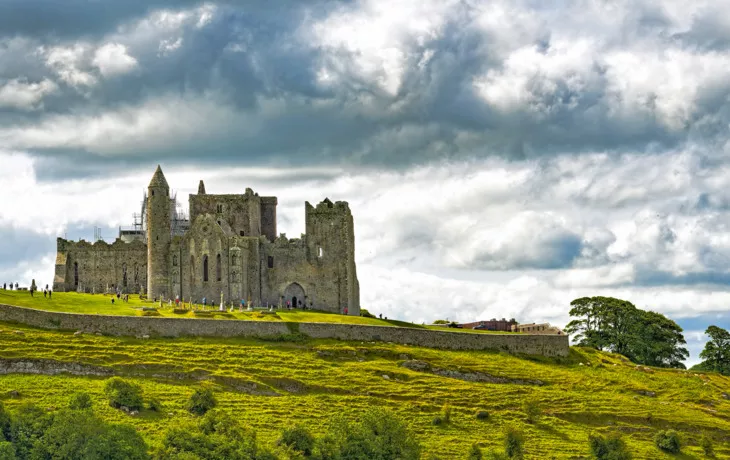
158	180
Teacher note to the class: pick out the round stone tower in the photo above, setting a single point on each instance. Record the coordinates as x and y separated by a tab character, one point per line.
158	236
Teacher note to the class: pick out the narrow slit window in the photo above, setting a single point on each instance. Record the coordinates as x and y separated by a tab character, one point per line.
192	270
271	262
205	268
218	270
320	252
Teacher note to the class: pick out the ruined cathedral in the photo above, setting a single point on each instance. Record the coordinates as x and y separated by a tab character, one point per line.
227	248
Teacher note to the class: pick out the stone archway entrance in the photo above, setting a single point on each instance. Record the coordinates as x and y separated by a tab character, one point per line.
294	294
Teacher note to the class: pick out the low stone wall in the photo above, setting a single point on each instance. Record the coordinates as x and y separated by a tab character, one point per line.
545	345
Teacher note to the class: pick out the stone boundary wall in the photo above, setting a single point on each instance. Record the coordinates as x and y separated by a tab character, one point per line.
545	345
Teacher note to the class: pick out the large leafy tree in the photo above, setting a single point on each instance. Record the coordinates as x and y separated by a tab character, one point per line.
716	354
616	325
659	341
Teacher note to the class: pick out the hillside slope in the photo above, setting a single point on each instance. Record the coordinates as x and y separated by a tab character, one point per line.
272	384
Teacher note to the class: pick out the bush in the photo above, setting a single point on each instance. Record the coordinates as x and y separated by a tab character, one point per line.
446	413
378	434
707	447
201	402
482	415
5	423
215	436
474	453
513	443
7	451
123	394
366	313
154	405
298	438
532	410
79	401
612	448
668	441
28	425
80	434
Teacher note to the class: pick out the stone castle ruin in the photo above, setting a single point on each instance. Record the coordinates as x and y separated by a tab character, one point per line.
228	248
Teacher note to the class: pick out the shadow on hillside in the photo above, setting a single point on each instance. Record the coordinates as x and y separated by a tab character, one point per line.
545	426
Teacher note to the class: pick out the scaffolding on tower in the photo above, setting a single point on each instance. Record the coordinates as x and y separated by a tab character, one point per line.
179	221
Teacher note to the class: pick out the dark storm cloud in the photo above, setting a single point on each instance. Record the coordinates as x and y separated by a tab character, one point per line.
250	54
73	18
19	244
657	278
70	19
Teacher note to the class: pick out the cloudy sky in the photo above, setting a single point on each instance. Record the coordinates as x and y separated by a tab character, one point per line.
501	157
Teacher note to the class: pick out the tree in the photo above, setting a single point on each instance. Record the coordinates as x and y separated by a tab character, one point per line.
611	448
716	354
79	401
7	451
378	435
668	441
28	425
123	394
216	436
616	325
603	322
79	434
513	443
5	424
298	438
201	401
658	341
475	453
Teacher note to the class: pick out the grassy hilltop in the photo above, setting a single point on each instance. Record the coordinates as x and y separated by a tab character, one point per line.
72	302
270	385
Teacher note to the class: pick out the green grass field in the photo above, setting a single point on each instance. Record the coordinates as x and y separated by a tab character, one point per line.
270	385
72	302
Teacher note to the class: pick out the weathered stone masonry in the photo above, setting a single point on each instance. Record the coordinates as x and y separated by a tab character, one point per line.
175	327
229	248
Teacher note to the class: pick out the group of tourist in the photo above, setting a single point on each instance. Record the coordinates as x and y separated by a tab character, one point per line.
122	297
46	292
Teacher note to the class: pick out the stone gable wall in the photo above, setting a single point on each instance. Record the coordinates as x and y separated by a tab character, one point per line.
175	327
100	266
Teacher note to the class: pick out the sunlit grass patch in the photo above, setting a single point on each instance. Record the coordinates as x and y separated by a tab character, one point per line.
273	384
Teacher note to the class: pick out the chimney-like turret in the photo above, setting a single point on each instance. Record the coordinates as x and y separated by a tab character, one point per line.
201	188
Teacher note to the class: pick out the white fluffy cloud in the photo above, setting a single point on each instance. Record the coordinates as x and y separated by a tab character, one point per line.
24	95
112	59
